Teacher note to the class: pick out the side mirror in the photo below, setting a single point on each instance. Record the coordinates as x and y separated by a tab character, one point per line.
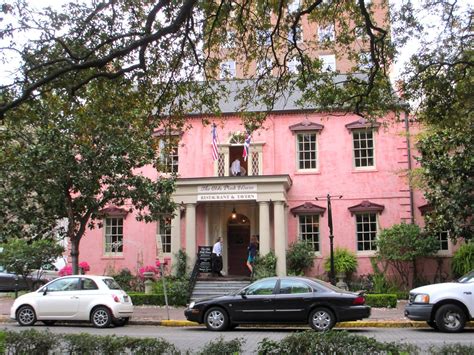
45	291
243	294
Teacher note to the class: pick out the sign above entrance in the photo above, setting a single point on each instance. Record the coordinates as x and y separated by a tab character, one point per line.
233	192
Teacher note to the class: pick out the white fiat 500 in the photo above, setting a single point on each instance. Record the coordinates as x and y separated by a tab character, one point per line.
98	299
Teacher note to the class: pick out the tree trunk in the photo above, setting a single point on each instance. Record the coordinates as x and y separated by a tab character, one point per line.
75	255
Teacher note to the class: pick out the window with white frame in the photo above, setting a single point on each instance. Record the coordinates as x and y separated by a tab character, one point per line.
443	238
264	67
293	6
363	144
165	235
293	66
326	33
309	230
328	62
366	231
227	69
295	36
230	40
306	150
113	236
169	155
264	37
365	61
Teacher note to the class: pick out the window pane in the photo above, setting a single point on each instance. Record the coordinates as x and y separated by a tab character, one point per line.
366	231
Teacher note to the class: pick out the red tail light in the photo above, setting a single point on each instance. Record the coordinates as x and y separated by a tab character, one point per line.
359	300
116	298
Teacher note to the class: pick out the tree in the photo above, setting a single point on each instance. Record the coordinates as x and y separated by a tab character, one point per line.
185	40
69	157
299	257
402	245
22	257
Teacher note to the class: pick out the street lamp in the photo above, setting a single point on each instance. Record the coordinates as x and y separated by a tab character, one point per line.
332	274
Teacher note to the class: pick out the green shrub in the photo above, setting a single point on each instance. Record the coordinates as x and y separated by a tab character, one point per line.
264	266
30	342
452	349
181	262
332	342
221	346
345	261
174	290
140	299
125	279
2	342
381	300
299	257
463	260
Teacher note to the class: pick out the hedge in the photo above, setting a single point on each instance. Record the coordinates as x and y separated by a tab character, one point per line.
381	300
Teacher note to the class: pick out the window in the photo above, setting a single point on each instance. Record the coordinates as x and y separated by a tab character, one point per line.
68	284
295	37
309	230
306	151
328	62
261	288
114	235
293	66
264	67
264	37
365	61
366	230
230	40
88	284
293	6
227	69
363	148
165	235
443	238
169	155
326	33
294	287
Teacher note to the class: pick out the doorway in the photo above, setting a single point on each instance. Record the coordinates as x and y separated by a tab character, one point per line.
238	239
235	152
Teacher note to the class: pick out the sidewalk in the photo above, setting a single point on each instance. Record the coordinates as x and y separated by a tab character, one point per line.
158	315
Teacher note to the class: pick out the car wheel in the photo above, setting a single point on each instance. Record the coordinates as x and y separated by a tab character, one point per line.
26	316
120	322
450	318
432	324
101	317
216	319
322	319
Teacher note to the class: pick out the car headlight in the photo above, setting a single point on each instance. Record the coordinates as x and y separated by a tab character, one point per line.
422	298
191	305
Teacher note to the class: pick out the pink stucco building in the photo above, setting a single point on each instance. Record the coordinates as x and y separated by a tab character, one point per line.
294	161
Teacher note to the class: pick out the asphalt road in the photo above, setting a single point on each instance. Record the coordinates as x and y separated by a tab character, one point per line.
194	338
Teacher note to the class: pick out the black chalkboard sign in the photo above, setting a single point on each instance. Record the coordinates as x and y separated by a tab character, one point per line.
204	255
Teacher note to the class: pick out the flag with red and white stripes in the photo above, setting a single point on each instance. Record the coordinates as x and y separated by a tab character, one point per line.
246	151
215	152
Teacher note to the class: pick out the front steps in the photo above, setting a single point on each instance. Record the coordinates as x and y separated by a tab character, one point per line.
213	287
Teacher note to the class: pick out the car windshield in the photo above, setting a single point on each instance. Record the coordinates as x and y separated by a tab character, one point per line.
467	279
112	284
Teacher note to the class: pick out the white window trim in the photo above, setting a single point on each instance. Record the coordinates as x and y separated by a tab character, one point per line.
104	248
374	148
298	235
303	171
449	251
223	148
325	63
231	70
366	252
326	30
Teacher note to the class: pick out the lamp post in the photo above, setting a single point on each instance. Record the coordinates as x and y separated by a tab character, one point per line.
332	274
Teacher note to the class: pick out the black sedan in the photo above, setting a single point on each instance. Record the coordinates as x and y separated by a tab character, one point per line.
288	300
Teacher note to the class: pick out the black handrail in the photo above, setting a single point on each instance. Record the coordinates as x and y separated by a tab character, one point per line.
193	278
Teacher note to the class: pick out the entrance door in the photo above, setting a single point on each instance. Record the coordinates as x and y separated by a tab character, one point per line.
238	239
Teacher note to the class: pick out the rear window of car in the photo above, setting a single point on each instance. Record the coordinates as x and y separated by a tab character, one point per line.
112	284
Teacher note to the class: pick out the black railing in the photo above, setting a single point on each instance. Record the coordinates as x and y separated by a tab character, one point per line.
193	278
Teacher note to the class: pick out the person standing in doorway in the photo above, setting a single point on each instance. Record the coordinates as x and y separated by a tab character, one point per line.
252	253
216	258
235	168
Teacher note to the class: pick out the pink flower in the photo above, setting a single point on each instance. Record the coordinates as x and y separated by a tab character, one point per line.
148	268
67	270
84	266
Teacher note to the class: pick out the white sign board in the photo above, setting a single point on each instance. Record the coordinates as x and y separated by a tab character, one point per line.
234	192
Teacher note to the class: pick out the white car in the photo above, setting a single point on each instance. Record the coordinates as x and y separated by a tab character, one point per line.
98	299
444	306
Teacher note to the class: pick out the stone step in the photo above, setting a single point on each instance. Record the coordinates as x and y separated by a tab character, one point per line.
214	288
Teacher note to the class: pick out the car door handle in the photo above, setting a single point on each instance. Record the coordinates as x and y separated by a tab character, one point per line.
467	293
74	297
267	300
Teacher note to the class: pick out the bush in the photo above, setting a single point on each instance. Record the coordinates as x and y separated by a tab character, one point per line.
264	266
452	349
174	289
381	300
332	342
126	280
299	257
180	267
221	346
30	342
345	261
463	260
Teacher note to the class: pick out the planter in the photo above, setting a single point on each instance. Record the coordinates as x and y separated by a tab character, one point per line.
341	283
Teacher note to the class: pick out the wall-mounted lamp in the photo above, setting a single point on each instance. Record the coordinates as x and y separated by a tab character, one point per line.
234	213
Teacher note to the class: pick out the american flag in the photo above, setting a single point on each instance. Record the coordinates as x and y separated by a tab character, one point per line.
245	153
215	154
